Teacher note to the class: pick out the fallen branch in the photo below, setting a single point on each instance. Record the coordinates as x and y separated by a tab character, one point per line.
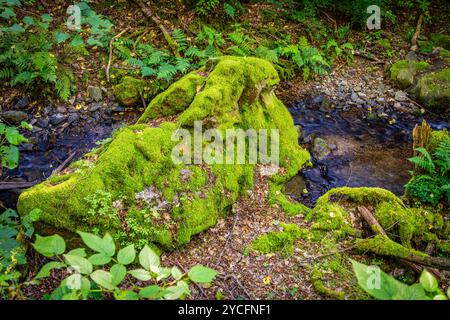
111	50
64	164
371	221
239	283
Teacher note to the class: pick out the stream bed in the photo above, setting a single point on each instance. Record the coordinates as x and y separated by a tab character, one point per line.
362	152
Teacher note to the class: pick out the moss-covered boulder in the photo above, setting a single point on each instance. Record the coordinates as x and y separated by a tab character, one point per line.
433	90
402	72
133	189
129	91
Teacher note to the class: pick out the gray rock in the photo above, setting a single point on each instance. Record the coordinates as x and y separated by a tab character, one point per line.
95	93
61	109
57	119
356	99
43	123
95	107
401	96
320	149
411	56
300	132
14	117
73	117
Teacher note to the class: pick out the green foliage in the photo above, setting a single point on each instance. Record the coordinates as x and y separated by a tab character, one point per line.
305	58
107	268
382	286
13	232
433	183
26	57
10	140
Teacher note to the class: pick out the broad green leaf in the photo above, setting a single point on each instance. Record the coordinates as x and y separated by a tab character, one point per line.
118	273
46	18
141	274
80	252
50	246
440	297
109	246
428	281
85	287
176	292
99	259
152	292
46	269
77	41
73	282
384	287
448	292
15	28
71	296
176	273
28	20
14	137
148	258
103	279
80	264
7	13
92	241
201	274
127	296
61	36
126	255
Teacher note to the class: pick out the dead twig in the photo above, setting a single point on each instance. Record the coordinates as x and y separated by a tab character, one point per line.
227	240
111	50
417	33
64	164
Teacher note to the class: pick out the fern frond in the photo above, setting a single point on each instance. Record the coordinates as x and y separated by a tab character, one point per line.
180	38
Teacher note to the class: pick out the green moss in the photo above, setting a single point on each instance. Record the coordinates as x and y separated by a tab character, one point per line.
184	200
436	137
175	99
384	246
385	43
403	71
129	91
279	241
433	90
276	196
318	284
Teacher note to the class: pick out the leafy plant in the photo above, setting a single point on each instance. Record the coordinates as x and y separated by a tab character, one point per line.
10	140
431	185
106	269
382	286
13	232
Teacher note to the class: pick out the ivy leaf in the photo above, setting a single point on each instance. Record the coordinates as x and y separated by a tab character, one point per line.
201	274
126	255
46	269
50	246
148	258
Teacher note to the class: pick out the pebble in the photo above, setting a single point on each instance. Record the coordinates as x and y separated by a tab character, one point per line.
401	96
73	117
57	119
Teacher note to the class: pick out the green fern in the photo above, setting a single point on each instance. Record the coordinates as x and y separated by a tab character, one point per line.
425	162
243	44
180	38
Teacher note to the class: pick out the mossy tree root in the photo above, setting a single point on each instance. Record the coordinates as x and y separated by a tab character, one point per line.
382	245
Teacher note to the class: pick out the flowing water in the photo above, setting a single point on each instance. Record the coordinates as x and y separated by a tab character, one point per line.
363	153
